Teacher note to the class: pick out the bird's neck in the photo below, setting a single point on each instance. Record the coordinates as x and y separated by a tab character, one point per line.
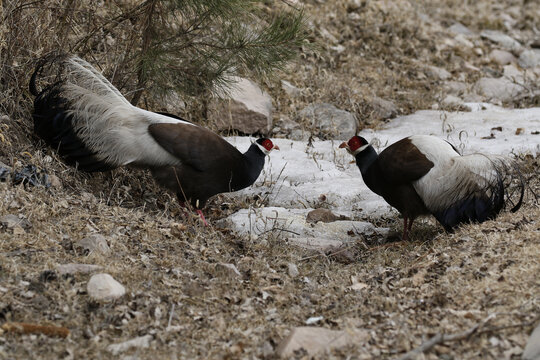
254	163
365	159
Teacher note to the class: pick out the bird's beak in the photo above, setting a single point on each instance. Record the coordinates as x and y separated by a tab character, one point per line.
275	147
343	145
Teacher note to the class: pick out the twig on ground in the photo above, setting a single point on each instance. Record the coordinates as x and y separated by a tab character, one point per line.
27	328
324	254
475	330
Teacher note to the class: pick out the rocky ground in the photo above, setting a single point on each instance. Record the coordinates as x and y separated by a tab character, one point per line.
176	289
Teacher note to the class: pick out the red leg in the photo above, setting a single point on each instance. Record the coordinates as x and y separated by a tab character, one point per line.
410	224
405	228
199	211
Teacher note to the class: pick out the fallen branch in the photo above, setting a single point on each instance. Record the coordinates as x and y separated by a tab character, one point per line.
27	328
475	330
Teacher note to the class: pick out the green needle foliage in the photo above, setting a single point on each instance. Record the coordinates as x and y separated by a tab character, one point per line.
194	46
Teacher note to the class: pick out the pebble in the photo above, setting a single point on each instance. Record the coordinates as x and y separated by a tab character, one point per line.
104	287
228	270
502	57
11	221
292	269
532	349
140	342
94	243
317	340
529	59
74	268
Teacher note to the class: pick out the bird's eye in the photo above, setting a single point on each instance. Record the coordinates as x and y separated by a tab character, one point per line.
267	144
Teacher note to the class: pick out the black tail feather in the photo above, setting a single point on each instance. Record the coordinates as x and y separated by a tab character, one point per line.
481	208
53	124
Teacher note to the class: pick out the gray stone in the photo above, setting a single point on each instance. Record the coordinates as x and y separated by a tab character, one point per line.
247	108
503	40
77	268
532	349
55	181
292	269
529	58
452	100
502	57
141	342
10	221
290	89
514	74
323	215
383	109
459	28
499	89
285	126
455	87
339	124
299	135
228	270
94	243
316	340
437	73
104	287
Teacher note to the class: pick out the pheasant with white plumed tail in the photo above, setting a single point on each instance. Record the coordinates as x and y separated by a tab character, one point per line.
93	126
422	175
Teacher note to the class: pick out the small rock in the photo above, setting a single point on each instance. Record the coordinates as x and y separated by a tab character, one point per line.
299	135
290	89
459	28
55	181
4	171
502	57
315	340
247	109
228	270
529	59
503	40
141	342
455	87
292	269
499	89
532	349
451	100
323	215
313	320
11	221
339	124
94	243
438	73
88	197
77	268
514	74
383	109
104	287
267	349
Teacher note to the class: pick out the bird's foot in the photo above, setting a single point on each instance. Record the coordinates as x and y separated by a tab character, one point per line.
199	211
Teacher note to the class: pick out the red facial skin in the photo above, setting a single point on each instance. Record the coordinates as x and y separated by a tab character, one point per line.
268	145
353	144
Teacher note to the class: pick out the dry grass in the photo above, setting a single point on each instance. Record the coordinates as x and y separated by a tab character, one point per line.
437	283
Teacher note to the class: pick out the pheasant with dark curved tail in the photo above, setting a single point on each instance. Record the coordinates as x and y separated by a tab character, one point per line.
93	127
422	175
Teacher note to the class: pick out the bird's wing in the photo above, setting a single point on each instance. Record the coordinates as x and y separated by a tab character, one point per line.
193	145
402	162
